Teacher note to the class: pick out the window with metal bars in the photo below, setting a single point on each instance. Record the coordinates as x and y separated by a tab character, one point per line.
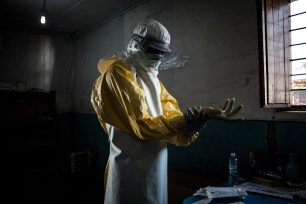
298	52
282	53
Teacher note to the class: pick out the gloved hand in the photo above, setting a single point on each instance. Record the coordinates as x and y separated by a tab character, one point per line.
227	113
194	120
196	117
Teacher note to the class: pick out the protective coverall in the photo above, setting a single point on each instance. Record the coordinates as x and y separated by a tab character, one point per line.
140	117
138	133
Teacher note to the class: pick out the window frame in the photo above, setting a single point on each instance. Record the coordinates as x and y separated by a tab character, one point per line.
274	55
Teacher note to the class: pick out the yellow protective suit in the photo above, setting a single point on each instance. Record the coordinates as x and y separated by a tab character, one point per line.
137	167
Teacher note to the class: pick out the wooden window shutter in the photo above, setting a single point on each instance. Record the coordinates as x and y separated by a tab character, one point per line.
274	55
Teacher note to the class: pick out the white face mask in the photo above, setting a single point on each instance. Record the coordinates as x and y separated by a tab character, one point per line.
146	63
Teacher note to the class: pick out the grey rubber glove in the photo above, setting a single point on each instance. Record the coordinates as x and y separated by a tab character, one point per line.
196	117
226	113
194	120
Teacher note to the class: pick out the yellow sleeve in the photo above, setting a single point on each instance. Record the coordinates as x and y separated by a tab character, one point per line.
171	109
96	100
120	101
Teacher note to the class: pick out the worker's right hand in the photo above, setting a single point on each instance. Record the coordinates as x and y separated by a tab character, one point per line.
194	120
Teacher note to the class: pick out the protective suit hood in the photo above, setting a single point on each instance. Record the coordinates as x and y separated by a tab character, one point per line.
153	34
151	40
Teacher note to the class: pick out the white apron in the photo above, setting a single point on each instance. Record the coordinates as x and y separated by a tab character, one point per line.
137	171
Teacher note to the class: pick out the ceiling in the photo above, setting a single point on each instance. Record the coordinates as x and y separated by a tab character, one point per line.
72	17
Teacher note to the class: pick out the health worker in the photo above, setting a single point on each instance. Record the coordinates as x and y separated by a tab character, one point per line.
141	117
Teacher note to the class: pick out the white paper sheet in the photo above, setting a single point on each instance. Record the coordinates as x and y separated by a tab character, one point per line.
267	190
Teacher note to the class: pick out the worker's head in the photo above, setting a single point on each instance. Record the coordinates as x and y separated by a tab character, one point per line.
151	41
152	38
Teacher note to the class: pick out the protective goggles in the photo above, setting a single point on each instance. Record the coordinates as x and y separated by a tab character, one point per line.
151	46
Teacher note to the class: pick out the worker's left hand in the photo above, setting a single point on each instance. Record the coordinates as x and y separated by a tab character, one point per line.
226	113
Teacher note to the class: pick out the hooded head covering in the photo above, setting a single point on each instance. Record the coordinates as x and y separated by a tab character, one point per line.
151	40
150	34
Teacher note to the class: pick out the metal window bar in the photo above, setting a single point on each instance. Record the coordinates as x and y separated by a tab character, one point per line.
301	74
303	43
297	74
297	59
297	14
301	28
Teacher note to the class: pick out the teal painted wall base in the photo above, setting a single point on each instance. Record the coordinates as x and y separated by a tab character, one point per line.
207	156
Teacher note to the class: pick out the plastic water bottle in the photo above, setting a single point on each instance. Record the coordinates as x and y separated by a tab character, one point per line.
233	170
292	170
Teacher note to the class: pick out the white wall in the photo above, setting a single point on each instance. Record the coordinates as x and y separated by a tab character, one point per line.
88	49
220	37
